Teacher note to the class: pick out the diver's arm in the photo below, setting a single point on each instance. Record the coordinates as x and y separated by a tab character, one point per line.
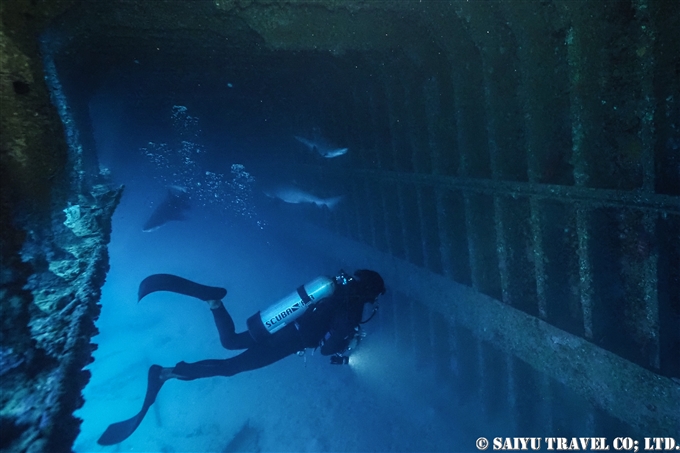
334	343
343	329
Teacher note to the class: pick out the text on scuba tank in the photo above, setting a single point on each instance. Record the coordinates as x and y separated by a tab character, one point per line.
284	314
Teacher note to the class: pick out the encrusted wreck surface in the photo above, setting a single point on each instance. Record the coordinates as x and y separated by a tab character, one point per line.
53	248
42	376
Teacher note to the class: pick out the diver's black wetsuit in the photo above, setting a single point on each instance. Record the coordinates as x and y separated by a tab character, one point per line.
332	320
329	323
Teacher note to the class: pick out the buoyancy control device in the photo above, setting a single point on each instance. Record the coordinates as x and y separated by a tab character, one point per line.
287	310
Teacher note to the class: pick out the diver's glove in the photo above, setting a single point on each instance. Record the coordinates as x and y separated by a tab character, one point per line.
339	359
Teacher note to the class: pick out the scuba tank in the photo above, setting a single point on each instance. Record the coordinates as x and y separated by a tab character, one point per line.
266	322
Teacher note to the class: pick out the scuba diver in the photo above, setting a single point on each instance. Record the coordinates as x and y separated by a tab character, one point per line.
325	313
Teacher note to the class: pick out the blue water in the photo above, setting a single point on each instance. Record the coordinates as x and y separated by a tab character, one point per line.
298	404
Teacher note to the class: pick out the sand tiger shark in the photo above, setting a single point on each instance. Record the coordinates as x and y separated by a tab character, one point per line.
173	206
322	147
294	195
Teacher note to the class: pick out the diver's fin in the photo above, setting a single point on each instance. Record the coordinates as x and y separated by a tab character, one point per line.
175	284
118	432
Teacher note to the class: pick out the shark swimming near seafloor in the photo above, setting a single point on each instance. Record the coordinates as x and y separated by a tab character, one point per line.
173	207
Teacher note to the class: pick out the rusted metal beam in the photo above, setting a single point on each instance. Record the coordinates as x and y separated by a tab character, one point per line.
590	198
538	257
585	270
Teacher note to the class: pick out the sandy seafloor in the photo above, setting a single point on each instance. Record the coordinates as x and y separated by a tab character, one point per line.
298	404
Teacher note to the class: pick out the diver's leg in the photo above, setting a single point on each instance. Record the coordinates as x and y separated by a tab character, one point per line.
118	432
251	359
225	327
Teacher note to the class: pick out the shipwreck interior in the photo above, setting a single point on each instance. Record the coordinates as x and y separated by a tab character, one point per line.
513	172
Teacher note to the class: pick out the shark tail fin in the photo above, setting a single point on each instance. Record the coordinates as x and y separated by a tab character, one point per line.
332	202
